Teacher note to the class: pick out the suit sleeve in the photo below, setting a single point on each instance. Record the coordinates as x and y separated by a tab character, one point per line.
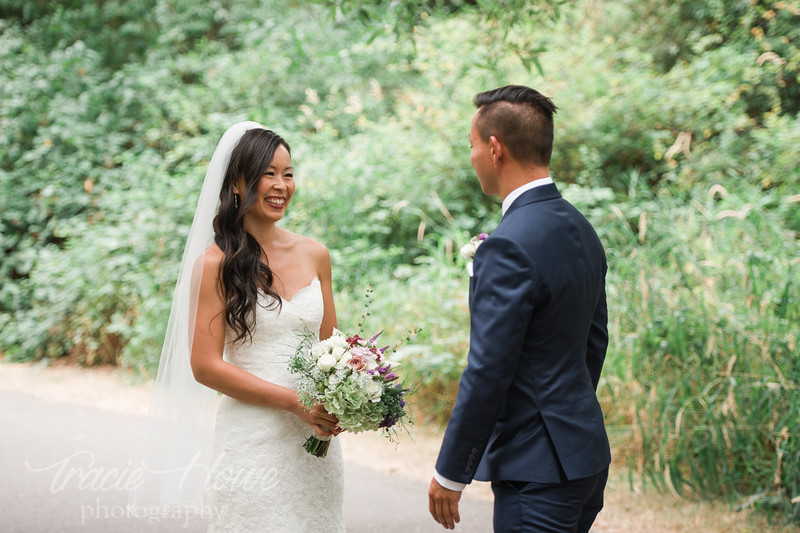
501	303
597	342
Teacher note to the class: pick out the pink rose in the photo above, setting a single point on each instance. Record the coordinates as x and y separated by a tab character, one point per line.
357	363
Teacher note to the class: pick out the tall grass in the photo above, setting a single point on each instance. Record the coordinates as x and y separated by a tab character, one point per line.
704	365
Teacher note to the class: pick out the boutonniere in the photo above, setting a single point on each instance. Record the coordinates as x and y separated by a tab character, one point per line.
469	249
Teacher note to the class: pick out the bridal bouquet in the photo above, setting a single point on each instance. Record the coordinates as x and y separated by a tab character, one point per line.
353	379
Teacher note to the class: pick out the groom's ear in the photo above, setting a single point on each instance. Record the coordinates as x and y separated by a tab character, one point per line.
496	149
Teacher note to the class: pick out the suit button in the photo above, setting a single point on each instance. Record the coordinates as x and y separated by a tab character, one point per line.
468	470
470	463
474	451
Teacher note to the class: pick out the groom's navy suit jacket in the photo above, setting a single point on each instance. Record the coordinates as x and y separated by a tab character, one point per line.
526	408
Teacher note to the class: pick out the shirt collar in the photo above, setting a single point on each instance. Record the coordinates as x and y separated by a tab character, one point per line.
516	193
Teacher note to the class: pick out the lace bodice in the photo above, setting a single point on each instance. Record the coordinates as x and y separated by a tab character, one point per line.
277	334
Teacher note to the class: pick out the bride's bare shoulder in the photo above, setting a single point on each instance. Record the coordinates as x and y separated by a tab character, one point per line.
307	249
211	259
213	253
301	243
310	247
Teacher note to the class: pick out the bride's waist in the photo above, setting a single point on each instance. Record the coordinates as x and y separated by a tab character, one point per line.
252	419
273	371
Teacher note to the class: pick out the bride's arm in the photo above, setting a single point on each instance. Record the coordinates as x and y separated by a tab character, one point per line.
323	266
213	371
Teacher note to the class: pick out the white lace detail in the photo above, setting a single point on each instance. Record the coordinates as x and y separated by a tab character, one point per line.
263	480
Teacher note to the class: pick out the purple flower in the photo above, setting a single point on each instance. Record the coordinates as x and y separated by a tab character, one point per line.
482	236
388	422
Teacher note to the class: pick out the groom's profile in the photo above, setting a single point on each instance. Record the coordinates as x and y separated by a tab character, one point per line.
526	416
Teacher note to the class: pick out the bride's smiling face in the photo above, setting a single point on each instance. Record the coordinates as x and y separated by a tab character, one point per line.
275	188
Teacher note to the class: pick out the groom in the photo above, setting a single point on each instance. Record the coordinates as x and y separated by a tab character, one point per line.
527	417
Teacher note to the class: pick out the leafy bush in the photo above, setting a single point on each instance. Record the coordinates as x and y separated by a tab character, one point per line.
681	150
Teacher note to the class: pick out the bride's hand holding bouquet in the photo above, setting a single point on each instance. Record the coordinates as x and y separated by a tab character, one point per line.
324	424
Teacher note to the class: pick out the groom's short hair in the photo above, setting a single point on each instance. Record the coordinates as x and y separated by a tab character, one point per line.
521	118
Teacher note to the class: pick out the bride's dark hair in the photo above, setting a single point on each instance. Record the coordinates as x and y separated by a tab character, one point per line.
242	272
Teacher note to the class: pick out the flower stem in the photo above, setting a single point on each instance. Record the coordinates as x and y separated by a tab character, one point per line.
317	447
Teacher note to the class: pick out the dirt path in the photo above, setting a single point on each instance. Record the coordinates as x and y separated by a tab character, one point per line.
626	511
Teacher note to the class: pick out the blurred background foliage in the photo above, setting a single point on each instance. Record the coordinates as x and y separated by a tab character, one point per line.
677	135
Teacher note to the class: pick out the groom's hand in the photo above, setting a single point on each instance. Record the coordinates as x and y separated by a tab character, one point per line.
443	505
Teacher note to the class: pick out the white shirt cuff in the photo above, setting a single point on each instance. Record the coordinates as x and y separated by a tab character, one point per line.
448	484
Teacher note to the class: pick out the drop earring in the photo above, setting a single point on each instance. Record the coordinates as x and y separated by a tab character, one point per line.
235	201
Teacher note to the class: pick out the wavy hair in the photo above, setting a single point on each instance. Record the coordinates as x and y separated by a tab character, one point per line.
243	273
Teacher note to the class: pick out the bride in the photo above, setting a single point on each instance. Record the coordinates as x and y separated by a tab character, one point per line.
252	293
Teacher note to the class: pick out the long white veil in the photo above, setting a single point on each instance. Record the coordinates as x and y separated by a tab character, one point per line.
175	456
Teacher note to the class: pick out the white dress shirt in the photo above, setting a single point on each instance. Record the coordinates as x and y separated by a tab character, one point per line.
516	193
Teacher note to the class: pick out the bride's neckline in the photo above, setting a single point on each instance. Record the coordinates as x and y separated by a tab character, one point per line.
315	279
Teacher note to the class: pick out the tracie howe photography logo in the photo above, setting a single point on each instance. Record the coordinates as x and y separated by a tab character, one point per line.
81	471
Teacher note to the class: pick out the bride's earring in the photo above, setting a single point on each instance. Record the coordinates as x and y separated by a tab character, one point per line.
236	201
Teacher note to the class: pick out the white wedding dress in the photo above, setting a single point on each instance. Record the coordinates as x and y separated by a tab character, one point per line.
262	479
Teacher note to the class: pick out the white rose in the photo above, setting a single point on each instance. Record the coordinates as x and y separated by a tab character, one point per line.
468	250
326	362
321	347
338	339
318	350
339	352
333	342
374	390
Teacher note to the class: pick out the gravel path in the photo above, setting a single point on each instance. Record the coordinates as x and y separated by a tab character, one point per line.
48	412
67	468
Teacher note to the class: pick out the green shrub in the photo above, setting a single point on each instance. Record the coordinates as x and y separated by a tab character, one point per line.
682	151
